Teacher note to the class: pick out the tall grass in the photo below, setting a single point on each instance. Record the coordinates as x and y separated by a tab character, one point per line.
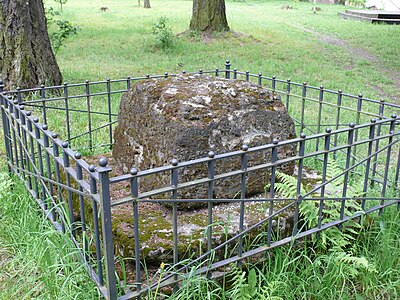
36	261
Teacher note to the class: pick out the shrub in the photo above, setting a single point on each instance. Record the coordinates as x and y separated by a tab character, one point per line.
163	33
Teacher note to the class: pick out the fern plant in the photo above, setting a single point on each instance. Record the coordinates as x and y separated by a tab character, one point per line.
332	239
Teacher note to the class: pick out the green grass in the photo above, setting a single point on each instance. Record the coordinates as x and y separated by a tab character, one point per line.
367	269
36	261
277	42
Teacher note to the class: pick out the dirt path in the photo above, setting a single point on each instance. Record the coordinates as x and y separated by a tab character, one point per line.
358	52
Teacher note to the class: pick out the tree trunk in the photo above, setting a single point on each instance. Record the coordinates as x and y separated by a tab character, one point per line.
146	4
209	15
26	57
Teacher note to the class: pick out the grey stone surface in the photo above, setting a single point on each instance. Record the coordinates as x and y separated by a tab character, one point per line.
186	116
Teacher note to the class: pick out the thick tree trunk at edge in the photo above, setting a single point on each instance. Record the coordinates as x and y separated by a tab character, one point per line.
26	57
209	15
146	4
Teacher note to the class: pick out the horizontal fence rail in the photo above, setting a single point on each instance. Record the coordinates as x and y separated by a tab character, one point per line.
350	144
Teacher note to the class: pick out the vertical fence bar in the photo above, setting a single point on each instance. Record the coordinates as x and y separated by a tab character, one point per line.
242	196
210	192
346	174
227	70
11	109
216	72
259	79
327	144
4	125
274	158
303	103
174	183
33	156
41	167
24	145
358	115
22	155
320	102
339	105
378	133
108	245
89	114
299	184
79	177
287	94
234	73
66	165
49	170
388	156
43	96
273	84
110	131
128	82
135	193
93	191
67	120
247	75
19	96
56	155
6	129
368	162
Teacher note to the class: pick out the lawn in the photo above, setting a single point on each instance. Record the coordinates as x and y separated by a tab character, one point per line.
321	49
318	48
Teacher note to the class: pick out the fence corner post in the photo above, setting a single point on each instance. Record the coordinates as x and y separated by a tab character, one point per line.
105	205
5	125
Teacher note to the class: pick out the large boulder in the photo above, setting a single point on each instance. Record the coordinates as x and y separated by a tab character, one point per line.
185	117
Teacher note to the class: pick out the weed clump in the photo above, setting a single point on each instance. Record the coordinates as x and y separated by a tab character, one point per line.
162	33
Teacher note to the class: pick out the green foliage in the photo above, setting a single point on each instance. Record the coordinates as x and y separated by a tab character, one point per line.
332	239
162	33
59	30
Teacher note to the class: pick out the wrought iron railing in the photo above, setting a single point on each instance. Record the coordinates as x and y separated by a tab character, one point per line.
359	135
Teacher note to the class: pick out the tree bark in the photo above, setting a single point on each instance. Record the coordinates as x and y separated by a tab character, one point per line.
26	57
146	4
209	15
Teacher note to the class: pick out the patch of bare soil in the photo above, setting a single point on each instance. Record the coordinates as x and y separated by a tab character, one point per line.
208	37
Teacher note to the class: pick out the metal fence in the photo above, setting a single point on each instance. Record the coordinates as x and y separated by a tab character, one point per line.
359	135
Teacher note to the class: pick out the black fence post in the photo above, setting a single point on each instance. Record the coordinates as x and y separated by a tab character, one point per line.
327	144
274	158
287	94
303	103
302	146
210	192
387	163
5	124
371	137
135	193
108	245
243	180
350	140
174	183
320	102
227	70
